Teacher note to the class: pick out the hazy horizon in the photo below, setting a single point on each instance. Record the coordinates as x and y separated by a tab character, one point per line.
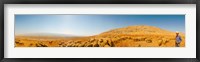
88	25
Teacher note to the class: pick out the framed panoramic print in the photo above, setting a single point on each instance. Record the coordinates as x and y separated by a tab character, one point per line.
101	30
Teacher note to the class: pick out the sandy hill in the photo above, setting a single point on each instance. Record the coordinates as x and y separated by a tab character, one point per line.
141	35
139	29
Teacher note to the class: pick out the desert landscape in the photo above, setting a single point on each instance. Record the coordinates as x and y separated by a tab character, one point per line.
129	36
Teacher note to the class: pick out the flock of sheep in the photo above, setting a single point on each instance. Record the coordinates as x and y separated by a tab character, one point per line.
101	41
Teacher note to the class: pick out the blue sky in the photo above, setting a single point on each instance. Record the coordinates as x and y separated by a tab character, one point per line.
86	25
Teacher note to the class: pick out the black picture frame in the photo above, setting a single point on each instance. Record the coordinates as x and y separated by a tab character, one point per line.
2	2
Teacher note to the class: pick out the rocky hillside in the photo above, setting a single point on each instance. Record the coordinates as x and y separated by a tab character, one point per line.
141	36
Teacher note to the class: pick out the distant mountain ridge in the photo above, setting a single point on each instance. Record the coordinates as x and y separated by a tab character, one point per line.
129	30
48	34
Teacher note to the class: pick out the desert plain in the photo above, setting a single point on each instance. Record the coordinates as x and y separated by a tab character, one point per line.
130	36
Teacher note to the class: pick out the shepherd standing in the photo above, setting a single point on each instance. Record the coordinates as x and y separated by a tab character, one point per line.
178	39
